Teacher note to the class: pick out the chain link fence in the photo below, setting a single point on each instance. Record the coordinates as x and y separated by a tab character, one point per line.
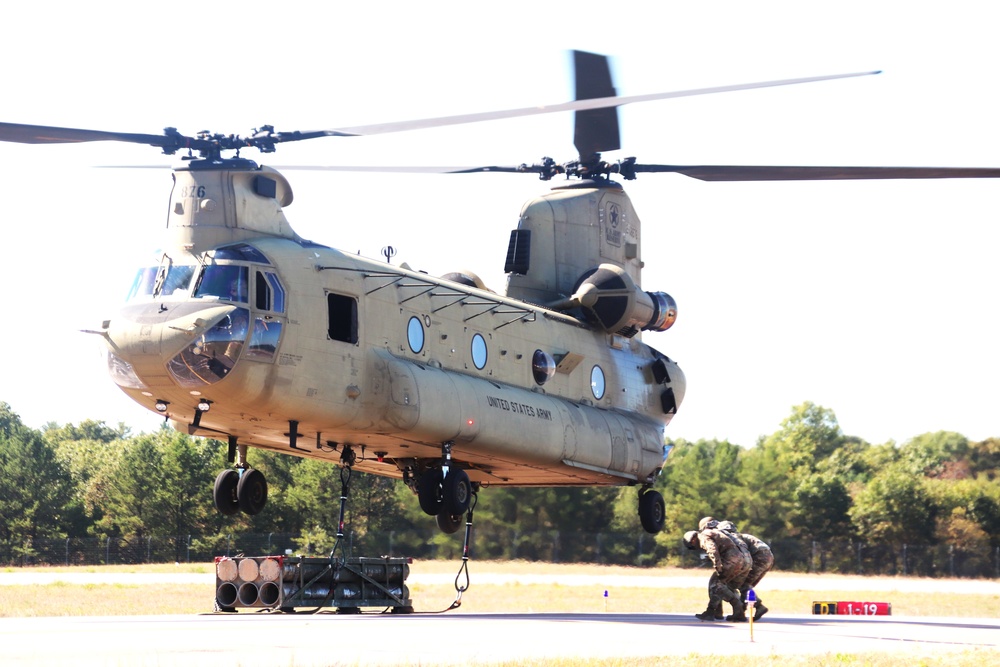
493	543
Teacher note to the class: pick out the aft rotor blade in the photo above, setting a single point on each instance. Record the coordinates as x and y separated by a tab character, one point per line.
596	130
577	105
792	173
701	172
424	169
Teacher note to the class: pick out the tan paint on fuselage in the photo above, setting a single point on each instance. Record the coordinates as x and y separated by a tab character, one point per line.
377	393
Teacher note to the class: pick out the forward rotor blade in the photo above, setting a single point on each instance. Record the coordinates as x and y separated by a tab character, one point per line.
389	169
790	173
578	105
172	140
42	134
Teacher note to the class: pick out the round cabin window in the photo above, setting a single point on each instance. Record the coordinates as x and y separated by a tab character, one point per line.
415	335
479	351
597	385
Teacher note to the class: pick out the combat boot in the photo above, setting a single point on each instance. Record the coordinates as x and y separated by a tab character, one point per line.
707	615
739	613
717	611
759	610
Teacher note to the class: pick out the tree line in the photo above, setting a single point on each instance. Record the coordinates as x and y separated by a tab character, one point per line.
806	483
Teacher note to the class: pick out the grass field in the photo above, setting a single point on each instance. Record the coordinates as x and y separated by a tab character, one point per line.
110	599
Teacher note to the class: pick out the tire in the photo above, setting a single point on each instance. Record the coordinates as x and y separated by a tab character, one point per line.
652	511
252	491
224	493
456	492
429	491
449	523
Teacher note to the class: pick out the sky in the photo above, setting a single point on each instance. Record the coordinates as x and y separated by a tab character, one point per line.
877	300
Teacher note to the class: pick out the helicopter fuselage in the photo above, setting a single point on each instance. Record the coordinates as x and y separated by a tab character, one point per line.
247	331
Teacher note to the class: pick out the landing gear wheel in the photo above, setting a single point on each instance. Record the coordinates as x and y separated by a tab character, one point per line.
429	491
652	511
456	492
252	491
449	523
224	492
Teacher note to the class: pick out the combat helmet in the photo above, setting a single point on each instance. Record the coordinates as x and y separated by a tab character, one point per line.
691	540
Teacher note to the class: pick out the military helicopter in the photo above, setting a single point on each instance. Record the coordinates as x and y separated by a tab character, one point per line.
245	331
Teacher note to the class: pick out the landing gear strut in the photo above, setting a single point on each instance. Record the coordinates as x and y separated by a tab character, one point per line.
251	492
652	510
445	492
239	488
226	500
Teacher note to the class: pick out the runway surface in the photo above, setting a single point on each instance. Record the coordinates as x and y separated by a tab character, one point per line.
328	639
302	640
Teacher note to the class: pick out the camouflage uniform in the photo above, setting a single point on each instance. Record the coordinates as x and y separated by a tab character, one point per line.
732	563
761	562
763	559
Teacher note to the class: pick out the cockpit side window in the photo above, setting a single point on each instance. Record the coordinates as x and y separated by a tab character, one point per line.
279	292
269	294
224	282
262	298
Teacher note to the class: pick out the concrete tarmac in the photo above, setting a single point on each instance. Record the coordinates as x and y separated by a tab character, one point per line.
325	639
248	639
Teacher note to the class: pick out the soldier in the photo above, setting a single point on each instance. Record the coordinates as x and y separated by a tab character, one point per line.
762	562
732	564
711	522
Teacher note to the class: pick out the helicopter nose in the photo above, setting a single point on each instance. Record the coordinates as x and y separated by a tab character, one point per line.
147	336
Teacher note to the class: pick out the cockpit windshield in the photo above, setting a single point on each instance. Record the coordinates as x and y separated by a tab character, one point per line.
164	280
224	282
142	286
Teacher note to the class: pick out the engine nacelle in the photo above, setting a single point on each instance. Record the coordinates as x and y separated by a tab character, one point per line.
611	299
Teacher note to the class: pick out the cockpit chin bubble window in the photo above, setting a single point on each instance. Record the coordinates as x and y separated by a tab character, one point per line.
213	354
264	339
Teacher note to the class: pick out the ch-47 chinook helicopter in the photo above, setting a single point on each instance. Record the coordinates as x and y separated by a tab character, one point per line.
249	333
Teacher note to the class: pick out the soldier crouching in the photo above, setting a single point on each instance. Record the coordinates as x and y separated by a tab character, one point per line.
760	556
732	565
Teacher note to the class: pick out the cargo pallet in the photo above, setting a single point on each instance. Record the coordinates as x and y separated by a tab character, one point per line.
287	582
